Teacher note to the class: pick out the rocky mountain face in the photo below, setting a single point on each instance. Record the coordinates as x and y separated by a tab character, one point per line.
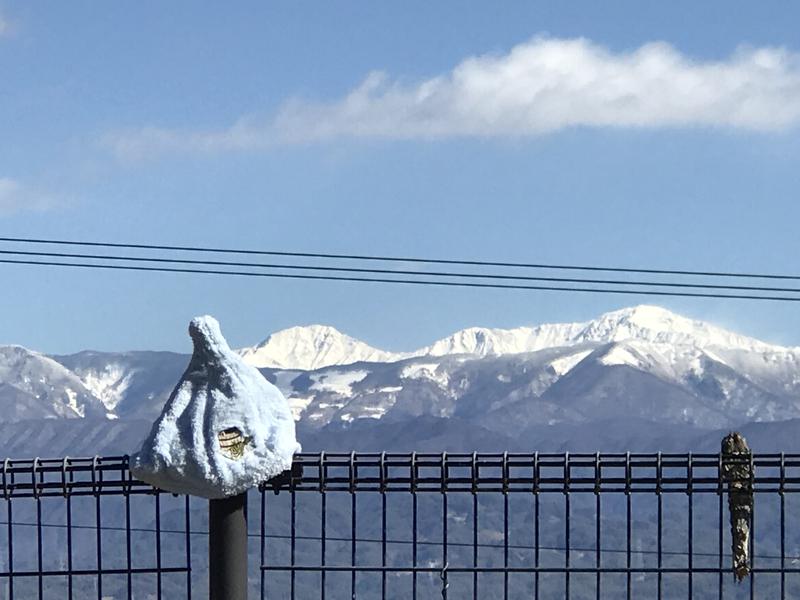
644	373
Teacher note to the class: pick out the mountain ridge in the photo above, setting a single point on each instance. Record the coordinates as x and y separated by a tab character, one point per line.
641	363
318	346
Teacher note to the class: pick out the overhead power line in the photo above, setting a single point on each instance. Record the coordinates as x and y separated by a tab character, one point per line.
366	257
496	277
427	282
487	276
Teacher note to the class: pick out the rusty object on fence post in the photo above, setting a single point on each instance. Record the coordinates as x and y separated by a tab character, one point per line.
737	471
227	548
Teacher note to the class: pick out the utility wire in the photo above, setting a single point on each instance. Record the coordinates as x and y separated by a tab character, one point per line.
364	540
488	276
407	281
364	257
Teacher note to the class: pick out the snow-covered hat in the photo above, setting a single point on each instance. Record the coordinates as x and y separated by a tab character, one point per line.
224	429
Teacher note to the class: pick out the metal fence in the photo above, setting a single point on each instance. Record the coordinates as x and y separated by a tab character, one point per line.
414	526
83	528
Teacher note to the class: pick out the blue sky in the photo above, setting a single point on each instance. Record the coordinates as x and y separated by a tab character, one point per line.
665	135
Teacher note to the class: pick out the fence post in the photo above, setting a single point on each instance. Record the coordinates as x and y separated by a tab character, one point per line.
227	548
737	471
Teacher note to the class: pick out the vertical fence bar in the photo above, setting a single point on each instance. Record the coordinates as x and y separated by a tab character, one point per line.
444	575
751	487
323	471
158	546
628	525
690	524
660	526
597	530
188	526
9	520
263	541
720	549
98	525
782	493
128	541
383	523
505	525
353	525
227	548
566	526
474	545
474	491
293	542
536	522
39	556
68	497
414	524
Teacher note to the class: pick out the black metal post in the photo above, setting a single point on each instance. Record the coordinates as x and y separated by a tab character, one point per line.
227	548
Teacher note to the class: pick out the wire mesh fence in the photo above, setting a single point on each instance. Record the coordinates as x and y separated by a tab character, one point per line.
83	528
414	526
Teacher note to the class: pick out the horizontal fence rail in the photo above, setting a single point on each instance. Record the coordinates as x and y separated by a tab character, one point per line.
415	526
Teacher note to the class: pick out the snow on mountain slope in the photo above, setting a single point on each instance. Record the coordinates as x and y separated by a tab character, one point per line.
109	385
644	323
562	366
655	324
129	384
318	346
39	386
312	347
642	363
710	375
483	341
337	382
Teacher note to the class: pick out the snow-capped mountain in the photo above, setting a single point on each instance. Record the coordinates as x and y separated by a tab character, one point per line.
312	347
317	346
35	386
643	323
642	364
643	361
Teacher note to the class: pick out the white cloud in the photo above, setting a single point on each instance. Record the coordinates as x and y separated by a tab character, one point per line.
539	87
16	197
139	144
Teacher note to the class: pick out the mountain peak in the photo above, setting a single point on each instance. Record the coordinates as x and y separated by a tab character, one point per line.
311	347
655	324
314	329
645	314
648	316
315	334
633	321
